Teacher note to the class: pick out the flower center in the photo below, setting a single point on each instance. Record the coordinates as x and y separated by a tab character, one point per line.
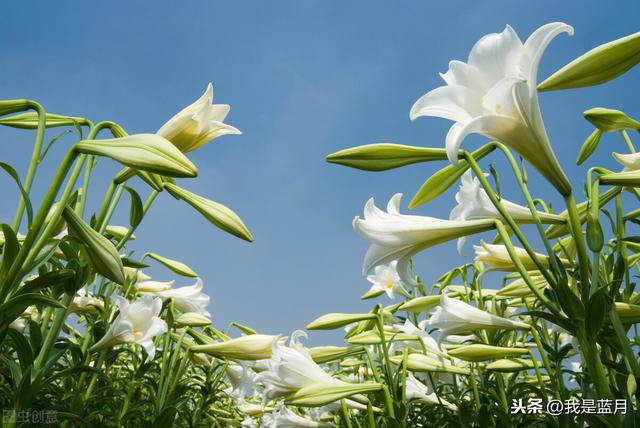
389	285
137	333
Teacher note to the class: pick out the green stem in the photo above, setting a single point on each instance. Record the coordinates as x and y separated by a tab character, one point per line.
50	339
346	416
35	161
575	227
145	208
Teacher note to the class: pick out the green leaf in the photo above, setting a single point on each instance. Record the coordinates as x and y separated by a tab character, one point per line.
25	196
22	348
51	143
597	309
49	279
12	308
442	180
599	65
589	146
165	418
136	212
10	250
384	156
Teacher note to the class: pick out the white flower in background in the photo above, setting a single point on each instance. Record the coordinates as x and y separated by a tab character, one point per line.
430	344
497	257
630	161
396	236
242	381
282	417
386	279
474	204
137	322
85	303
494	94
20	323
454	316
418	392
458	339
150	286
291	368
187	299
248	422
198	123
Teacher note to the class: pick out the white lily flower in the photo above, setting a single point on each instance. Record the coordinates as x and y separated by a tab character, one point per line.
454	317
137	322
396	236
386	279
282	417
474	204
429	343
418	392
494	94
291	368
198	123
248	422
630	161
242	382
187	299
85	303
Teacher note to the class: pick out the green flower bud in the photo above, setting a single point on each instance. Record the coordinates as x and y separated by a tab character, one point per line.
595	237
118	232
335	320
428	363
29	120
252	347
13	106
420	304
146	152
589	146
216	213
599	65
320	394
325	354
174	265
609	120
193	319
372	337
479	352
383	156
510	365
96	249
628	313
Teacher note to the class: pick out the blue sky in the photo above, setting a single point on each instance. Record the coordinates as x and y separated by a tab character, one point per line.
304	79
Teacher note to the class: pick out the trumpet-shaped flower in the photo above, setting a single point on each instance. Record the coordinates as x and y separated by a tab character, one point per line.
428	342
282	417
418	392
137	322
198	123
454	317
630	161
386	279
187	299
474	204
242	382
494	94
396	236
290	369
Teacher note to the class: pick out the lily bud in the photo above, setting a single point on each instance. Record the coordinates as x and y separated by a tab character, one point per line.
428	363
595	237
216	213
13	106
251	347
148	286
510	365
383	156
609	120
325	354
29	120
628	313
98	250
174	265
479	352
589	145
420	304
119	232
334	320
147	152
193	319
597	66
320	394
